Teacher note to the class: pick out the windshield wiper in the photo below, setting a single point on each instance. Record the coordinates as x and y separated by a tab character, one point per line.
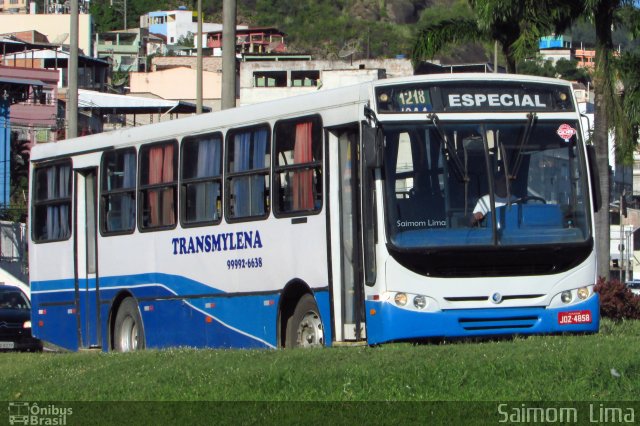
531	117
449	149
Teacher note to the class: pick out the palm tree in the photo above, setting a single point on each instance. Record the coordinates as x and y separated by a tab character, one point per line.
515	25
608	114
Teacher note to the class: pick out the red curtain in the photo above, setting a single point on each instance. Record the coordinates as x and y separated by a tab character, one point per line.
168	207
161	171
303	180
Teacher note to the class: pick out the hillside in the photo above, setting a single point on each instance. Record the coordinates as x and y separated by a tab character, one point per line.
322	28
325	28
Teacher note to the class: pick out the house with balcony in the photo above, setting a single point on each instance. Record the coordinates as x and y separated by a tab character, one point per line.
35	118
254	40
586	58
26	58
125	49
175	24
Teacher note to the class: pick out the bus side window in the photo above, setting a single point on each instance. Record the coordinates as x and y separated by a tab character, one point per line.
201	180
158	185
52	203
298	166
247	182
118	191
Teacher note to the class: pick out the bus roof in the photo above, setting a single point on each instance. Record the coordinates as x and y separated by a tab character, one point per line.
255	113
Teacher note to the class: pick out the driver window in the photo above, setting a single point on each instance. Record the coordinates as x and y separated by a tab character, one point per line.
404	167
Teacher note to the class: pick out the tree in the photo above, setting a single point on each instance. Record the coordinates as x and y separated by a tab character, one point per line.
608	112
563	68
569	70
515	26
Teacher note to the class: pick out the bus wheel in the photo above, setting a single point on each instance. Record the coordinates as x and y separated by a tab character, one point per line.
128	331
304	328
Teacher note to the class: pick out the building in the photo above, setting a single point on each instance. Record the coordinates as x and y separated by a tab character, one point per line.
175	24
268	80
30	58
555	42
55	27
35	119
126	49
586	58
14	6
15	88
250	40
161	84
92	72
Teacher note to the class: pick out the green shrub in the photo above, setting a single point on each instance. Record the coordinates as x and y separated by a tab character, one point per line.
617	301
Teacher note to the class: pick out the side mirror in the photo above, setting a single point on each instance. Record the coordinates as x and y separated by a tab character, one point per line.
372	146
595	177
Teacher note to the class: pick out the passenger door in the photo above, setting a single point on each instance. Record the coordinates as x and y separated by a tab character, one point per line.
346	234
86	259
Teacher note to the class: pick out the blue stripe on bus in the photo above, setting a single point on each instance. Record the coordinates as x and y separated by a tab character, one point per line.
170	316
391	323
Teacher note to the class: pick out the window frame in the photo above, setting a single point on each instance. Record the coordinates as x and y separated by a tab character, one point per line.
144	188
229	175
105	193
184	182
58	201
311	166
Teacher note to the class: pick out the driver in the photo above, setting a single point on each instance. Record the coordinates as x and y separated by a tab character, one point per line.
483	206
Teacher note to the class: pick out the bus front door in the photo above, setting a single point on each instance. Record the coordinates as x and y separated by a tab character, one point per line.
86	259
346	238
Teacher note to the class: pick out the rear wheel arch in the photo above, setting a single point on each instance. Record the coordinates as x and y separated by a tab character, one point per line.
113	313
296	295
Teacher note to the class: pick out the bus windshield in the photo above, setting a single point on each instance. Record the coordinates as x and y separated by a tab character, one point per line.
455	184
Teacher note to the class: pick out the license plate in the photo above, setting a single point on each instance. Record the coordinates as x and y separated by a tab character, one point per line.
574	317
7	345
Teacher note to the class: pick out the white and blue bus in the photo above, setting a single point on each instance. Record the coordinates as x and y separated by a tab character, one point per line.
331	218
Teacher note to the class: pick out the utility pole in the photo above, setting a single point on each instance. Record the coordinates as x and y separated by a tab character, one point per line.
72	74
199	61
228	54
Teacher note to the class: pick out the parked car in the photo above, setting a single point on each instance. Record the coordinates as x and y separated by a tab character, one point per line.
15	320
634	286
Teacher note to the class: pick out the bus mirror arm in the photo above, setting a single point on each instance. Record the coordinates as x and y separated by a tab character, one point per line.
372	144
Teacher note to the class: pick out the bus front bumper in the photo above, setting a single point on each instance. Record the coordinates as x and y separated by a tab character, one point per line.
387	322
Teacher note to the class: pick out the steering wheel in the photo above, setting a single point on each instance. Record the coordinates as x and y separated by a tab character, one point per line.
527	198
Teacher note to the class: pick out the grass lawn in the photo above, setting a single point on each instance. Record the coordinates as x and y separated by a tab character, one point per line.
586	369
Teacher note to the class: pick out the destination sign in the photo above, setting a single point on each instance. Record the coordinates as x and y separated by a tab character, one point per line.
480	97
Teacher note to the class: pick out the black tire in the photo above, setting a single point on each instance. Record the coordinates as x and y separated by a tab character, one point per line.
128	332
304	327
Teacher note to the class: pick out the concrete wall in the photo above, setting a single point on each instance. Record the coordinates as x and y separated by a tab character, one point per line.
208	63
177	84
332	74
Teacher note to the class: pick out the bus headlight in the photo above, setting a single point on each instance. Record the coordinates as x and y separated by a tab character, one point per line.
420	302
583	293
401	299
27	324
566	296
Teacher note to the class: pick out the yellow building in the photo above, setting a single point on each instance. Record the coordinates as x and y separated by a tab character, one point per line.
14	6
